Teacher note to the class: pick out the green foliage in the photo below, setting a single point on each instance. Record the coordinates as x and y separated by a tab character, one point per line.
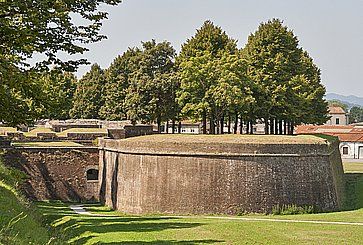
289	82
292	209
213	75
88	97
356	114
58	89
118	78
20	222
11	176
208	38
21	100
151	92
47	28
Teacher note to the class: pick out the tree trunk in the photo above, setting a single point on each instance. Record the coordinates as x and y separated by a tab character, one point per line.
158	121
167	126
211	126
229	124
280	127
241	126
179	127
292	128
222	125
276	126
247	127
235	126
272	126
204	122
251	127
266	125
173	126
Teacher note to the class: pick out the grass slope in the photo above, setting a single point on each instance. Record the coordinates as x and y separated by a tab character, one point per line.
20	222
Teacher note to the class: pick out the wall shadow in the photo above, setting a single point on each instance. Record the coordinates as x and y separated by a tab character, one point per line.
114	183
353	191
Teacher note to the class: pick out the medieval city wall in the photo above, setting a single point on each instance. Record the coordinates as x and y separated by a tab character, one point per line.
168	177
56	173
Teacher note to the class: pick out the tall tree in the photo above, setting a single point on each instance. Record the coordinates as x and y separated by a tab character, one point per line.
117	81
197	64
275	63
58	88
88	97
148	96
209	38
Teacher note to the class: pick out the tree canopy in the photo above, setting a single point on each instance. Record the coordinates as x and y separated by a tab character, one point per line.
88	97
289	82
48	29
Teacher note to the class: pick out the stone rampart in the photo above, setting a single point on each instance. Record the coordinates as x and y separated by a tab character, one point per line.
58	173
206	175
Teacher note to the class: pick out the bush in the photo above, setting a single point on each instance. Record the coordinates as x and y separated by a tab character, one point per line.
292	209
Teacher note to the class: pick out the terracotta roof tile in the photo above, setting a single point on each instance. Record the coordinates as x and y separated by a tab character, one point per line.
336	110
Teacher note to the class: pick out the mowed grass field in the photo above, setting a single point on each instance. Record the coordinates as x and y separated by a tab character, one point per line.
105	226
110	227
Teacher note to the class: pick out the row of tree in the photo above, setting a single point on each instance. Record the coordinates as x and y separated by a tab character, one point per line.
271	79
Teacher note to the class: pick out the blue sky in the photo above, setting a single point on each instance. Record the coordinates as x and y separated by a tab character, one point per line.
330	30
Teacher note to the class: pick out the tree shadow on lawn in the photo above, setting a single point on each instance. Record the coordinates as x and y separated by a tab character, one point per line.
79	229
102	225
354	191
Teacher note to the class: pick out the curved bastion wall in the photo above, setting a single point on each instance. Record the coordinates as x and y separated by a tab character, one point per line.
176	174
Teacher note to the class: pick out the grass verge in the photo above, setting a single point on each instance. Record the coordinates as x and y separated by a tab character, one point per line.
20	222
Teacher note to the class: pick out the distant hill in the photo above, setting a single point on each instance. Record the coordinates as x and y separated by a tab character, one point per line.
350	100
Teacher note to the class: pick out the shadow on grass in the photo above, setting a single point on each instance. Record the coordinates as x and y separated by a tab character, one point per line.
165	242
354	191
78	229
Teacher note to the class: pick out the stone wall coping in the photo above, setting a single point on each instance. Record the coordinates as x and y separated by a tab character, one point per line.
55	148
196	154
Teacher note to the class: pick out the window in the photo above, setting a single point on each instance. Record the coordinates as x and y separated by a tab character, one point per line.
92	174
345	150
337	121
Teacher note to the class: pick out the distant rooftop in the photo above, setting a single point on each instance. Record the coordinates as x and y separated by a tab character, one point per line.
336	110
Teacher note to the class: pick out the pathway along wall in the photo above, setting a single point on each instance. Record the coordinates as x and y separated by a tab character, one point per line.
193	175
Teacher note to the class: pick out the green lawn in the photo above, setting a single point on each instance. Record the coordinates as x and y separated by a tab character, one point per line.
33	133
4	130
111	227
353	167
82	130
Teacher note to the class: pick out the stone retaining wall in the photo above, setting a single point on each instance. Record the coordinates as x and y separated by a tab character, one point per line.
56	173
141	177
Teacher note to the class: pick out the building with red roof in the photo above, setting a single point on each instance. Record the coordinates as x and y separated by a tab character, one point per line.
350	136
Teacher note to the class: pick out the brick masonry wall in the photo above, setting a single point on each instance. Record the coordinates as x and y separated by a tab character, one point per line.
56	173
219	184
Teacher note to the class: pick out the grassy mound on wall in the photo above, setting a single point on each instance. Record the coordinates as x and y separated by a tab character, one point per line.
20	222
